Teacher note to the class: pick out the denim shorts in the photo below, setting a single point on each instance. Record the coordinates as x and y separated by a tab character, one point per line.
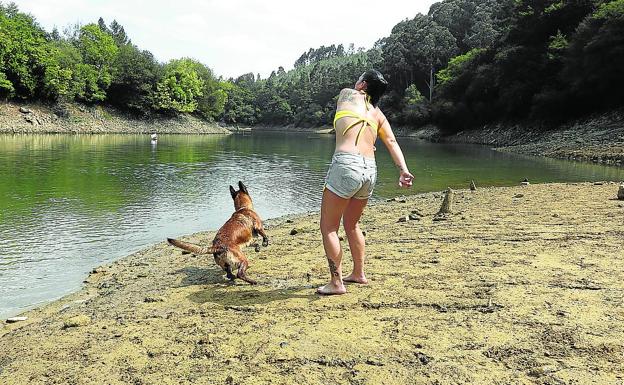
351	176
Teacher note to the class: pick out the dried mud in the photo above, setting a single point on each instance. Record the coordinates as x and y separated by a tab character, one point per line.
519	285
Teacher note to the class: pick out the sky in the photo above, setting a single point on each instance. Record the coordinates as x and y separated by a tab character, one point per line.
234	37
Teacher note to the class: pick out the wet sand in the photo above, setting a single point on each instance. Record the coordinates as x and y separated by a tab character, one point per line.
519	285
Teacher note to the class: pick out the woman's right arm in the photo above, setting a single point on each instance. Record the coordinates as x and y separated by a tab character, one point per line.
387	137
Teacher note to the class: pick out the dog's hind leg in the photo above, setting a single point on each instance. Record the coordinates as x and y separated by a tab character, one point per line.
242	269
228	272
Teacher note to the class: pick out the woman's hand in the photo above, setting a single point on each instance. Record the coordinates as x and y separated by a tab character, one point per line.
405	179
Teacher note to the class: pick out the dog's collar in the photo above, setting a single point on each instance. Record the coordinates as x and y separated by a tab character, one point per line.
243	208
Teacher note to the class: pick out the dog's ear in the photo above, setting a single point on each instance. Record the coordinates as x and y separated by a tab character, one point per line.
233	192
242	187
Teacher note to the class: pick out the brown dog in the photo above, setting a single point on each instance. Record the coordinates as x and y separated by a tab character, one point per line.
240	230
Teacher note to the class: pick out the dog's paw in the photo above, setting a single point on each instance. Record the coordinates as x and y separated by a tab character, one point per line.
265	242
257	248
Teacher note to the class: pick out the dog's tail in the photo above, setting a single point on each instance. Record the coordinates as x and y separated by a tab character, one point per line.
193	248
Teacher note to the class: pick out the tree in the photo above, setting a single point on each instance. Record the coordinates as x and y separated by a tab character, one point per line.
212	98
135	74
594	60
22	50
415	50
118	34
179	87
99	52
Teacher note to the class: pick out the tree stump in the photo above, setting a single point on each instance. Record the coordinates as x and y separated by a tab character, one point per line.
447	203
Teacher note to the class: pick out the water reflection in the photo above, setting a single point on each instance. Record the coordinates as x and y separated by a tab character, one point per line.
71	202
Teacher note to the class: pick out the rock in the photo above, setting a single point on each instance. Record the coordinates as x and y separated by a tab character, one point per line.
598	183
16	319
340	238
473	186
423	358
153	299
403	219
518	195
525	182
294	232
416	212
24	110
396	199
289	221
413	217
620	194
79	320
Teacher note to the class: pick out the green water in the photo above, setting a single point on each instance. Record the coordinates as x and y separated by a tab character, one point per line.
69	203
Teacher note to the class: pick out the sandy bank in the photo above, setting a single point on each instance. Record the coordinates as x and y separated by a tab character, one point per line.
521	285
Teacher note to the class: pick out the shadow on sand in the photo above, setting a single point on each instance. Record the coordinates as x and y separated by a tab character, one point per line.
238	293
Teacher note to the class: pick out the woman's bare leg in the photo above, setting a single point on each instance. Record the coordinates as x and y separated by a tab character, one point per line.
351	216
332	207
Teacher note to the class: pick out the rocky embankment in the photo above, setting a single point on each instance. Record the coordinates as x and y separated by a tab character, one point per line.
599	139
35	118
515	285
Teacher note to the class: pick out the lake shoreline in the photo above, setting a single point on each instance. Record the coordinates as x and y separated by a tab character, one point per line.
517	284
598	139
38	118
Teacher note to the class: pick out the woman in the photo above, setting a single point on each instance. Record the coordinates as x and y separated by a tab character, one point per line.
352	174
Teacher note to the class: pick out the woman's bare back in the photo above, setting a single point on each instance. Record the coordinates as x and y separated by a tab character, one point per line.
355	101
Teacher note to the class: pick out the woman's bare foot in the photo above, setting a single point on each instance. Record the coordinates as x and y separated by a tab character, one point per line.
331	289
356	279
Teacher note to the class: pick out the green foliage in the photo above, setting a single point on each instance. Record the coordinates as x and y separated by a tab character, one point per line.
98	51
179	88
62	77
414	48
456	66
6	87
135	74
594	60
22	49
212	98
239	107
610	10
413	96
557	45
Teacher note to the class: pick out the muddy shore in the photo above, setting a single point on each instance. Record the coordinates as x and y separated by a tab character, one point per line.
597	139
519	285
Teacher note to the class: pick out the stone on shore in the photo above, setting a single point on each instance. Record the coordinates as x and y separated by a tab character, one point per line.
77	321
620	194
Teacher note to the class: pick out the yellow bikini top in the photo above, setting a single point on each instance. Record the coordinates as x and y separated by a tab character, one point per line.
365	122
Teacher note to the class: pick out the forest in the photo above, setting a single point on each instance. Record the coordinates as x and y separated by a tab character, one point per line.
465	64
